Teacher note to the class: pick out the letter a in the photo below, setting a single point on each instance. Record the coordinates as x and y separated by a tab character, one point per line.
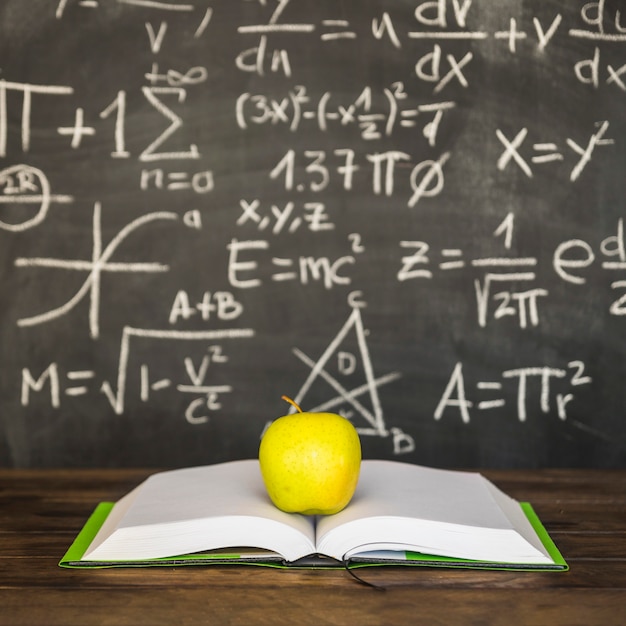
455	382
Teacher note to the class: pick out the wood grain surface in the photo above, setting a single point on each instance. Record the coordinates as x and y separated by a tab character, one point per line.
41	512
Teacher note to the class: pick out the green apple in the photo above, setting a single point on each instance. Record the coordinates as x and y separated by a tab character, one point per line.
310	462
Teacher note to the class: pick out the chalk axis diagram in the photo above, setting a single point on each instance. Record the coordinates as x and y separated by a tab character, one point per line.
94	268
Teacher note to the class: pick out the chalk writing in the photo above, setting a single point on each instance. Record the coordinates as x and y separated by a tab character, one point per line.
347	400
375	116
23	186
304	269
548	152
287	218
94	268
191	192
116	396
455	398
569	260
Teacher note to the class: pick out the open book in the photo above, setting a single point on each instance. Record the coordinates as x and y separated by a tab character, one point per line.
400	513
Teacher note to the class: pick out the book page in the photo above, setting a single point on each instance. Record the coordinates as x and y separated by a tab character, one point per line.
203	508
519	521
444	512
112	521
391	488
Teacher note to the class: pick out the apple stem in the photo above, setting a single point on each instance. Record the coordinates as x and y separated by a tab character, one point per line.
288	399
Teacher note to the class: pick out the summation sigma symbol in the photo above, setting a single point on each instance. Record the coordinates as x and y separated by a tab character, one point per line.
347	364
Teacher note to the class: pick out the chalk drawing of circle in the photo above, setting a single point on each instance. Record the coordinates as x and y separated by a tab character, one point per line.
28	186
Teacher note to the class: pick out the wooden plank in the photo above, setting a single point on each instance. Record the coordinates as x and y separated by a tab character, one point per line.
316	605
41	512
564	516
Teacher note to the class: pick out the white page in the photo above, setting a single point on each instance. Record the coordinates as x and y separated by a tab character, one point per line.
446	512
202	508
402	489
518	519
113	519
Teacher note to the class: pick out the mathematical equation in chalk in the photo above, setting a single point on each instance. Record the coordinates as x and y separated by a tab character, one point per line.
498	293
195	374
534	389
445	23
529	384
507	287
376	115
183	207
438	21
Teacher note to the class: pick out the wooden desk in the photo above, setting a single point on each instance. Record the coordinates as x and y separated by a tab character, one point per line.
41	512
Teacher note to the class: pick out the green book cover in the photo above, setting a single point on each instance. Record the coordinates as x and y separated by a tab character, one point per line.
74	554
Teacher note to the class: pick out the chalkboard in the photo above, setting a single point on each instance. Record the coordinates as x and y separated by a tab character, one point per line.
410	213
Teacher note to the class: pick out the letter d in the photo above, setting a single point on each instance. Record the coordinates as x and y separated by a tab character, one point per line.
587	70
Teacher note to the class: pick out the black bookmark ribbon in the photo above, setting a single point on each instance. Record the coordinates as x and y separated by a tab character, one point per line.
346	565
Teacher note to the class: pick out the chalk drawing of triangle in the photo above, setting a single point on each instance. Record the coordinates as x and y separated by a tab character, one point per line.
370	411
